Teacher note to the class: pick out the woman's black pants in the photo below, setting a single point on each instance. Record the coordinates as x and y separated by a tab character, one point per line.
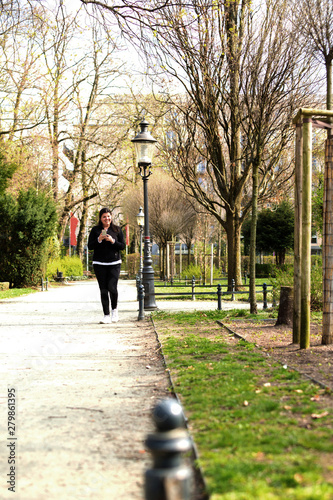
107	277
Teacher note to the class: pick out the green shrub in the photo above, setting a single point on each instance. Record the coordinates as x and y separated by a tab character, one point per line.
192	270
69	266
198	272
285	277
317	288
53	250
265	270
25	225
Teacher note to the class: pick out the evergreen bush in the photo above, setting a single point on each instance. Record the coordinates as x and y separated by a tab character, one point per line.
26	222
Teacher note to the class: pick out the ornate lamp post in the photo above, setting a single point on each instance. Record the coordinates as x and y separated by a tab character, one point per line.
144	147
140	218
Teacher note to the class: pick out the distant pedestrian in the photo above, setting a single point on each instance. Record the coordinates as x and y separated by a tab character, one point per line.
107	240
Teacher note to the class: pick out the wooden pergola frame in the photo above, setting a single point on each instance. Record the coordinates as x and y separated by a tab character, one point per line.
305	120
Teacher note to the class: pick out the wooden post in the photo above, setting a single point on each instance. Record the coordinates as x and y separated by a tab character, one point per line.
327	337
168	260
180	259
204	263
298	234
306	234
172	259
302	269
211	264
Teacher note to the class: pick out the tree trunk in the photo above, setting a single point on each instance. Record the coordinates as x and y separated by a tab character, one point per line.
298	234
329	84
233	229
55	142
306	235
286	306
327	337
253	240
62	224
81	238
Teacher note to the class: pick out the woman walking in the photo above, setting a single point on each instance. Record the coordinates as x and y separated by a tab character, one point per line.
107	240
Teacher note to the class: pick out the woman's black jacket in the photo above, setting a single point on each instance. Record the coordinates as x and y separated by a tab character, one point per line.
106	251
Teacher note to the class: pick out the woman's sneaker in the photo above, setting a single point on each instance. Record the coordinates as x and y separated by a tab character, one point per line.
114	317
106	320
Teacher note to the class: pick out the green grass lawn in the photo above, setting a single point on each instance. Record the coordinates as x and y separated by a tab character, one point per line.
263	431
15	292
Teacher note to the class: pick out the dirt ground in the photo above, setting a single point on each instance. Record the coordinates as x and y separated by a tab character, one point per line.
276	341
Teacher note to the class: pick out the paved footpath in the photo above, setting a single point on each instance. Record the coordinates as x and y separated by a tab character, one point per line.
84	393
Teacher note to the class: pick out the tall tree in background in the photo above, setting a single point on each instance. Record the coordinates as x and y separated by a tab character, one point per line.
56	32
275	230
96	133
171	213
242	72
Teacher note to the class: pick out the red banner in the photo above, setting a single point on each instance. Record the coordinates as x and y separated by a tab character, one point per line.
73	226
127	235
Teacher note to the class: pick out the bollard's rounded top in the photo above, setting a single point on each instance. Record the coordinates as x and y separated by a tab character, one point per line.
168	415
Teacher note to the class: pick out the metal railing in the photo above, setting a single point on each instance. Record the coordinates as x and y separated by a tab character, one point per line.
219	293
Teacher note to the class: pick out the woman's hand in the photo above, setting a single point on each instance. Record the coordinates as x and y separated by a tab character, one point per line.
109	238
106	237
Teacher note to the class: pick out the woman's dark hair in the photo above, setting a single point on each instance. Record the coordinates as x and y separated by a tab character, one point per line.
112	225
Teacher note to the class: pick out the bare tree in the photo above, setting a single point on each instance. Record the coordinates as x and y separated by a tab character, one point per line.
242	71
19	104
56	32
170	213
314	23
95	136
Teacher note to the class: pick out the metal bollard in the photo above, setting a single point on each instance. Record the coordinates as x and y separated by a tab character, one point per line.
47	283
193	287
264	288
233	290
169	478
42	285
138	281
219	297
141	297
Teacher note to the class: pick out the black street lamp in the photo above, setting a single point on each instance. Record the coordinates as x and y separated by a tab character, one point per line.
144	147
140	218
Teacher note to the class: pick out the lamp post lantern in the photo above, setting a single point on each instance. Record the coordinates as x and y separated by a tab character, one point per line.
144	147
140	218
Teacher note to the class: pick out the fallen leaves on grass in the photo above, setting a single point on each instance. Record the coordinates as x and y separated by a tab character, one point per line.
319	415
